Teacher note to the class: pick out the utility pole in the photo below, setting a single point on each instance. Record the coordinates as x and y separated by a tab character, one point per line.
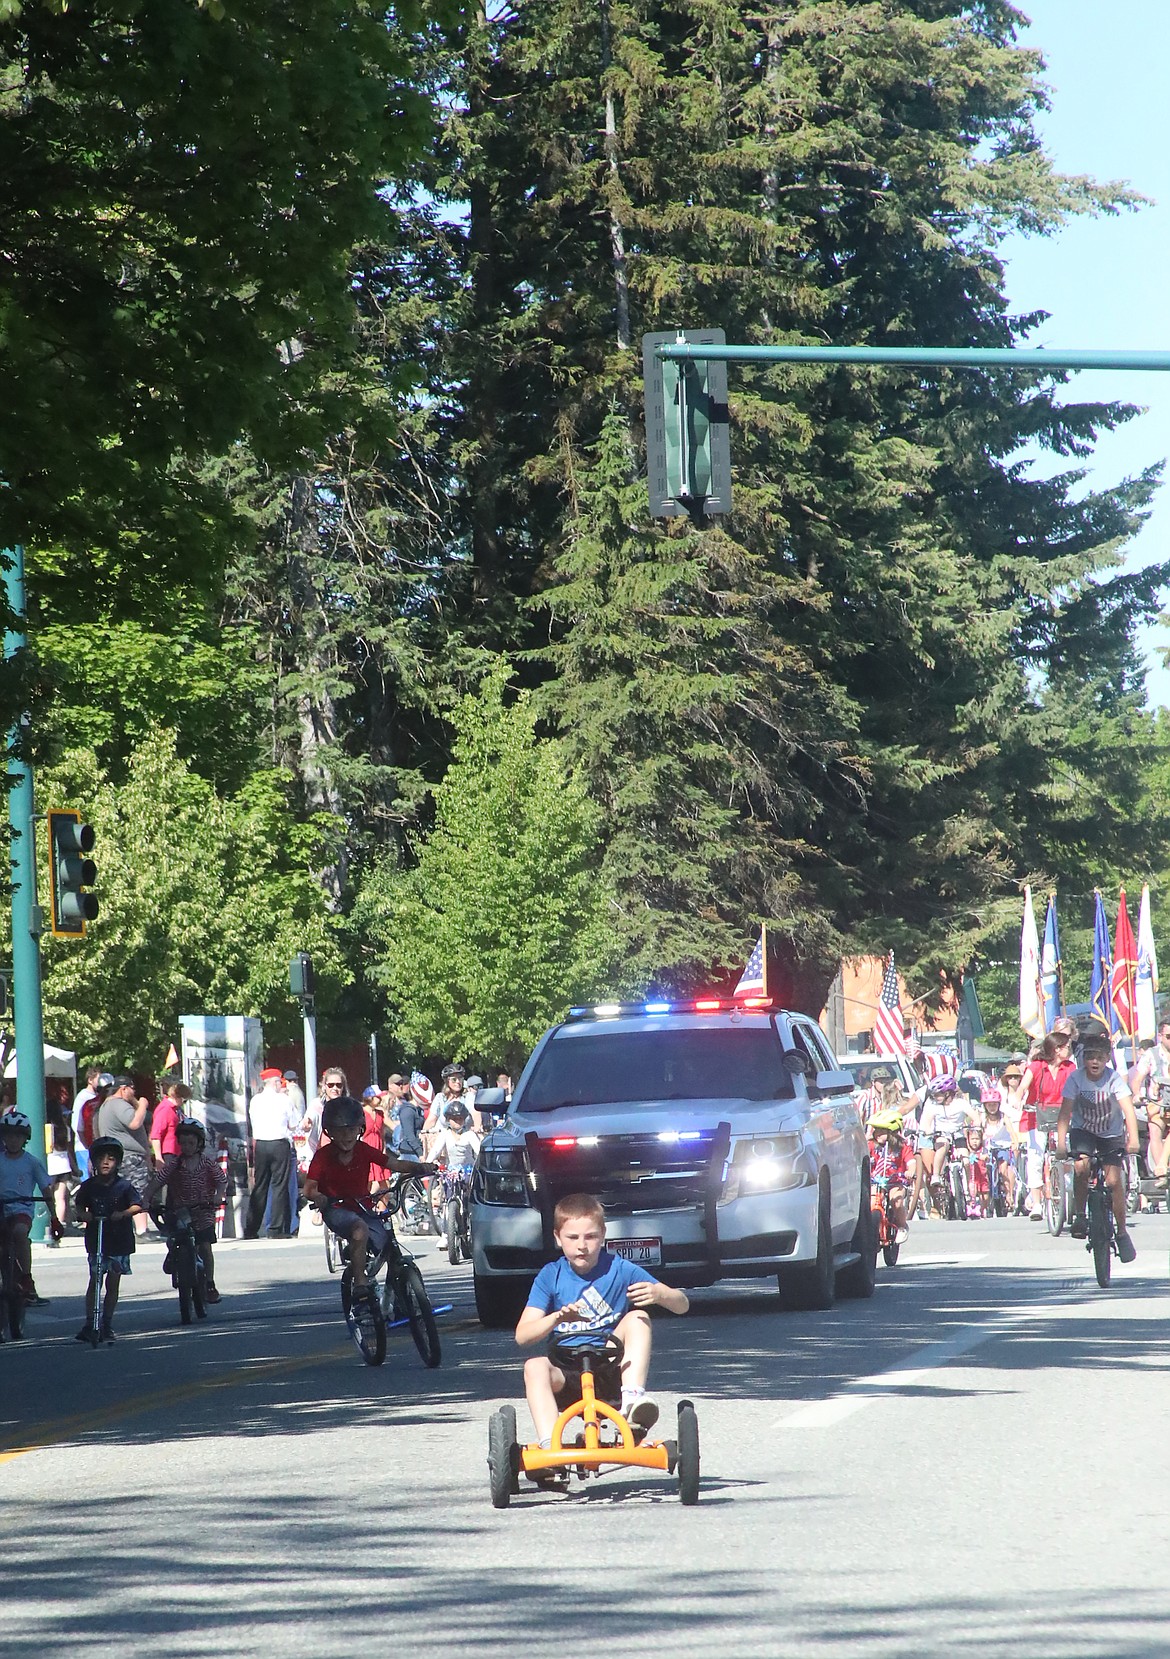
28	1021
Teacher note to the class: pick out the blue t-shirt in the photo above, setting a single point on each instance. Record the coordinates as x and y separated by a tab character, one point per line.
20	1177
604	1291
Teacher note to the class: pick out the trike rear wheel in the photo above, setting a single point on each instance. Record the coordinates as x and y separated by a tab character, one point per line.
688	1453
503	1457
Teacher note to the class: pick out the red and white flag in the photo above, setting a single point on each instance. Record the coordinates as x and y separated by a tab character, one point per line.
1123	990
889	1028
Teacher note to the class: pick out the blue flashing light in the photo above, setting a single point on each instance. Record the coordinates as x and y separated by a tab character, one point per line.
691	1135
656	1007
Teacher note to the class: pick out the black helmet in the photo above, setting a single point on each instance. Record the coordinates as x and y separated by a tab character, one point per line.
16	1121
457	1113
453	1070
192	1126
343	1113
103	1144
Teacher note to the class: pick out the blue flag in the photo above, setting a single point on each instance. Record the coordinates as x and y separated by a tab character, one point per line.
1051	982
1100	997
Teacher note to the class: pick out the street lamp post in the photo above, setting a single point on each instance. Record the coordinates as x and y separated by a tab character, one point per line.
28	1022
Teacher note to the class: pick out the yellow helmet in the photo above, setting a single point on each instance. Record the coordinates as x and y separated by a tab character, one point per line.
887	1120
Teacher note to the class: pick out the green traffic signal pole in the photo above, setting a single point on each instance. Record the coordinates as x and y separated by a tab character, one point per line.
26	914
927	357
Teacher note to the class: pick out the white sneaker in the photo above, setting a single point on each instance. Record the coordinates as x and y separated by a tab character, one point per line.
640	1411
1036	1213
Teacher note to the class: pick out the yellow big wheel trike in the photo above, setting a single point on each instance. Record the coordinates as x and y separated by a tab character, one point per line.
604	1439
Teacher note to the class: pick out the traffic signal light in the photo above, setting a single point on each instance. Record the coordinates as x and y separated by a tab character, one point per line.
70	871
300	976
688	448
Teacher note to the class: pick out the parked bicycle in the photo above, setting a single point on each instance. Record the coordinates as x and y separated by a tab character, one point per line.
400	1298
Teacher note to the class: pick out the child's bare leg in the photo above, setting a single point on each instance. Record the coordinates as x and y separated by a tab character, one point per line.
542	1381
633	1329
113	1285
359	1238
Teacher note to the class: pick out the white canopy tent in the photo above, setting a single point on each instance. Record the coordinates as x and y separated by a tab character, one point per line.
59	1062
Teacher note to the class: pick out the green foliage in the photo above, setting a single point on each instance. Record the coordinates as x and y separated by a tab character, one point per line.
505	920
204	899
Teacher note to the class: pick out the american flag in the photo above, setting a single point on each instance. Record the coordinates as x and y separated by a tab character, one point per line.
754	978
889	1029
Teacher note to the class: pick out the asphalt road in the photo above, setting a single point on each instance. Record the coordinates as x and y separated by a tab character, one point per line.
972	1462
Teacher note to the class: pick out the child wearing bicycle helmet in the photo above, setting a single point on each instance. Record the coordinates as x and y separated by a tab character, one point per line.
105	1193
891	1165
339	1181
193	1181
22	1176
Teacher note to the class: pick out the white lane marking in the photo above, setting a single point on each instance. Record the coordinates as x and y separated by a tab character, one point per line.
942	1261
862	1391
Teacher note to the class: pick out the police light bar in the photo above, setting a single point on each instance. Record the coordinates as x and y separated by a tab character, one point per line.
697	1005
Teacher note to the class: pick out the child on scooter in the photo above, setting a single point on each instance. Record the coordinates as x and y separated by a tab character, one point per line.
581	1298
107	1195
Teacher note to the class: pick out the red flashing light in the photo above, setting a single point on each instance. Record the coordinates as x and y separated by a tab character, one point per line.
565	1140
711	1005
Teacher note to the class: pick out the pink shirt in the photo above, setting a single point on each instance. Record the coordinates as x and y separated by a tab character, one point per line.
163	1127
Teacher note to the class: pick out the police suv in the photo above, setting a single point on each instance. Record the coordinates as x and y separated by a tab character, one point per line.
720	1135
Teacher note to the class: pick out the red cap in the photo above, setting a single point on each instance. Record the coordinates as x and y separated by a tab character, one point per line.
269	1073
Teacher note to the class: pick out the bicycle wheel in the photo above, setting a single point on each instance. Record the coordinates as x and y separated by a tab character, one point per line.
1099	1237
453	1232
332	1249
197	1298
413	1304
414	1209
890	1253
437	1203
16	1307
186	1304
364	1319
1054	1211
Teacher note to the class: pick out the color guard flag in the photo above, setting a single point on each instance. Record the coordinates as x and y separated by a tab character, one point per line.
889	1028
1031	1002
1100	1001
1146	987
172	1058
1125	961
1051	977
753	981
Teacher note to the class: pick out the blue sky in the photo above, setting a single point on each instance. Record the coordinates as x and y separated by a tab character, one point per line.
1105	281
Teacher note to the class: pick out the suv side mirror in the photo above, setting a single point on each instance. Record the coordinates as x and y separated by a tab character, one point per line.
796	1062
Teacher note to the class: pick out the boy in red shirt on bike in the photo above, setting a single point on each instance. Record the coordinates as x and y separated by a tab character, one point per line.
338	1181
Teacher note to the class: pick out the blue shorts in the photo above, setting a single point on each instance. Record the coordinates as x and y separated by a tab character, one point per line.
113	1264
342	1221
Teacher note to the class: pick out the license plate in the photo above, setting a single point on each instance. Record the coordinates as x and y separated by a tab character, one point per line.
647	1252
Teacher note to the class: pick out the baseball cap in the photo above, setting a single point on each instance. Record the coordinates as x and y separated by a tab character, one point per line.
289	1076
270	1074
123	1081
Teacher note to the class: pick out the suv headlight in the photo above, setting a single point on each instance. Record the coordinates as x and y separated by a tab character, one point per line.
772	1163
501	1177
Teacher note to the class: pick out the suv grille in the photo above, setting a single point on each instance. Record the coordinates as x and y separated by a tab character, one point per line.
632	1173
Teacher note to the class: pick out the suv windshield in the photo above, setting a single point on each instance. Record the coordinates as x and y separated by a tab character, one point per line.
603	1069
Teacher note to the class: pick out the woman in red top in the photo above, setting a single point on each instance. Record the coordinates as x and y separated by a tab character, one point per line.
1043	1090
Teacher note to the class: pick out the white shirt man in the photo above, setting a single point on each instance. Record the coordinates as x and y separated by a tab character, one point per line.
273	1118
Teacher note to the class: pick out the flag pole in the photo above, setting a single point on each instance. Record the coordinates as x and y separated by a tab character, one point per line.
1059	965
764	956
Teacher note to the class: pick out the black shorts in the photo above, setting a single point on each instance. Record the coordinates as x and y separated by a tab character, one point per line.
607	1380
1110	1148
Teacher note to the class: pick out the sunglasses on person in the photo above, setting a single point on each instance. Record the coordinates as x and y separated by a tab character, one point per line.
338	1086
